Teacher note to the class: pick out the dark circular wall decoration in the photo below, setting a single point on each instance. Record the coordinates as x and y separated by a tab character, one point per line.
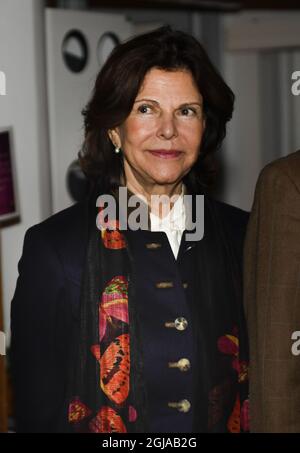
75	51
106	44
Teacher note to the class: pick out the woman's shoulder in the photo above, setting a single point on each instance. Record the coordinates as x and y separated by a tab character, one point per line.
234	222
63	235
232	215
62	224
60	240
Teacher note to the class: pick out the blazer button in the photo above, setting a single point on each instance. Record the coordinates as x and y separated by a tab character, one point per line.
153	245
182	364
181	406
164	285
179	324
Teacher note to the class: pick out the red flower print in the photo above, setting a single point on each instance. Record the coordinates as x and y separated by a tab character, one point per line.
107	421
78	411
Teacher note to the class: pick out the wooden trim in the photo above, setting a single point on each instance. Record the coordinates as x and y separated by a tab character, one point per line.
200	5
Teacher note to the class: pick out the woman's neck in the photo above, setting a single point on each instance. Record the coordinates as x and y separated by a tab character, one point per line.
169	194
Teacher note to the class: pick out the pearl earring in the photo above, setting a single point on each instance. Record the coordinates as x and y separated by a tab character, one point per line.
117	150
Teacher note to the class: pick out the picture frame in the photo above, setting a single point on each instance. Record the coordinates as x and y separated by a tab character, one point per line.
9	197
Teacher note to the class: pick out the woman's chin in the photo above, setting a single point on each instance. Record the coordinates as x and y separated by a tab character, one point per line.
166	179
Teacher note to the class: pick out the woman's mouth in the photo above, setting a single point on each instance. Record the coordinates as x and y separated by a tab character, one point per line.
164	154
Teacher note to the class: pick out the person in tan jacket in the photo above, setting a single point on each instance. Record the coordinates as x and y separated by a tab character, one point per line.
272	298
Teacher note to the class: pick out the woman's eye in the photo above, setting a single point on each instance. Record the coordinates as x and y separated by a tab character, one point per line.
188	111
144	108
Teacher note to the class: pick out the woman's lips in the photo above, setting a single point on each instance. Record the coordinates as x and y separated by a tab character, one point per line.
172	154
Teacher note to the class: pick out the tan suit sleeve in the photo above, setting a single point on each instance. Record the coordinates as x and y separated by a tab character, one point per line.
272	301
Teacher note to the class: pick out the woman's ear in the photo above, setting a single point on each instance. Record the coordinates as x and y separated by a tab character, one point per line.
114	137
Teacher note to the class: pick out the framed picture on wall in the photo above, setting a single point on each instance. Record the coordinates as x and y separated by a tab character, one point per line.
9	203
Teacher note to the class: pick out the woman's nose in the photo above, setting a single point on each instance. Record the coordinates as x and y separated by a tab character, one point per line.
167	126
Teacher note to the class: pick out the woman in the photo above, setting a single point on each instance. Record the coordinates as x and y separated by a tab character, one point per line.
138	330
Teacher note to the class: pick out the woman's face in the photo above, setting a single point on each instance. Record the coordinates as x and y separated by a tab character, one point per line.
161	137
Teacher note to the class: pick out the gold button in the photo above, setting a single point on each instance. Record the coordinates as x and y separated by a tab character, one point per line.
182	364
179	324
153	245
164	285
181	406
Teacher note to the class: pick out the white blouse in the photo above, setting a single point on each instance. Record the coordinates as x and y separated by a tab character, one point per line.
173	224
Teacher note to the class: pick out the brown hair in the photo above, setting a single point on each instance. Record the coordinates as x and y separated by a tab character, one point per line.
118	84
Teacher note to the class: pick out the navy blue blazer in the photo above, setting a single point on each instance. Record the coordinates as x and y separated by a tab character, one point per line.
45	318
45	313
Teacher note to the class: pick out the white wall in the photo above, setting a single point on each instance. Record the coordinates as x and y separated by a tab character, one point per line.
24	108
261	50
66	122
243	151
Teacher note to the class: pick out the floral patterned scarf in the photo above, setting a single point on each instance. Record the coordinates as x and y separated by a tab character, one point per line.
110	394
